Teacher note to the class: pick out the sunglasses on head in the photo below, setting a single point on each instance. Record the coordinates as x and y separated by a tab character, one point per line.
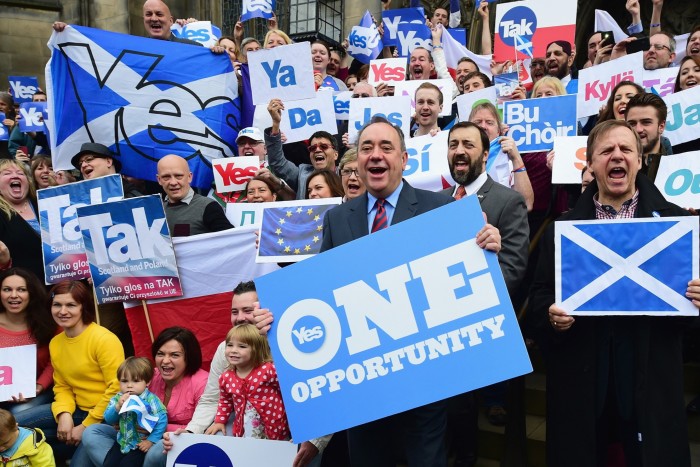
322	146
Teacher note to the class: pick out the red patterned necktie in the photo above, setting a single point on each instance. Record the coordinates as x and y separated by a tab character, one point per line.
380	220
461	192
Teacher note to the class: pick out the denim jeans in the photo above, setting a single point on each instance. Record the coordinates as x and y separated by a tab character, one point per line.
41	417
15	408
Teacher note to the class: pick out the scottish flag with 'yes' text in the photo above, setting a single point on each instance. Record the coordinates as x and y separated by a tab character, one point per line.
143	98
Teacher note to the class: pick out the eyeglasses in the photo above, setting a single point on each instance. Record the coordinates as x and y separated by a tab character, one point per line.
86	160
364	94
322	147
659	47
348	172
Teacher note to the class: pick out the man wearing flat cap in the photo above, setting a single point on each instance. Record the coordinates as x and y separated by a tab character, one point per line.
96	160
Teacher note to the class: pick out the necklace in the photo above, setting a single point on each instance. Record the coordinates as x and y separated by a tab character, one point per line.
21	211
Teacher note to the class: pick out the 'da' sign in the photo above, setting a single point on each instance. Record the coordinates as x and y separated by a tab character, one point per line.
129	250
61	240
405	313
301	119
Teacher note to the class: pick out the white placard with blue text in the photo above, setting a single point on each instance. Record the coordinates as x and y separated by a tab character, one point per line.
285	72
23	88
416	313
245	214
408	88
683	119
301	119
32	114
129	250
341	102
466	102
621	266
226	451
61	240
535	122
427	166
199	31
396	109
17	372
595	84
678	178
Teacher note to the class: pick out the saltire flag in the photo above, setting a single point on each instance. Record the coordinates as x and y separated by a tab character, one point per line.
292	230
454	51
521	45
497	164
626	266
143	418
365	43
143	98
210	266
257	9
455	14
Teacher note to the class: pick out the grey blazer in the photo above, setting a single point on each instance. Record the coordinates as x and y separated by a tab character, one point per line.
505	209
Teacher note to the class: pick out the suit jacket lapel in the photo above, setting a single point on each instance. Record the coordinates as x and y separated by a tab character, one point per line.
407	205
357	219
484	190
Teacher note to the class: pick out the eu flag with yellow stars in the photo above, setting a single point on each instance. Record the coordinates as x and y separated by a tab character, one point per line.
292	230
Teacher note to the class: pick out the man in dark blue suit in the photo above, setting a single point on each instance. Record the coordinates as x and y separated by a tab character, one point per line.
418	434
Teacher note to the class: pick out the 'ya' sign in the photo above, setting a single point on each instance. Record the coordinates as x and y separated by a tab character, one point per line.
61	241
410	316
129	250
285	72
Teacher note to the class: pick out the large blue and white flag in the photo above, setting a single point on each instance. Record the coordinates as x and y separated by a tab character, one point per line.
292	230
365	43
144	419
626	266
257	9
143	98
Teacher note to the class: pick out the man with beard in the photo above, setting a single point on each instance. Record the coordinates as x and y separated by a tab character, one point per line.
558	60
467	153
646	114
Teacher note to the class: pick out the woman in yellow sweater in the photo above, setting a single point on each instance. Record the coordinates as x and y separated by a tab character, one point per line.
85	358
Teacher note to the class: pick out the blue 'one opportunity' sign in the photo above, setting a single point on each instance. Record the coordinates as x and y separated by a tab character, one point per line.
390	322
